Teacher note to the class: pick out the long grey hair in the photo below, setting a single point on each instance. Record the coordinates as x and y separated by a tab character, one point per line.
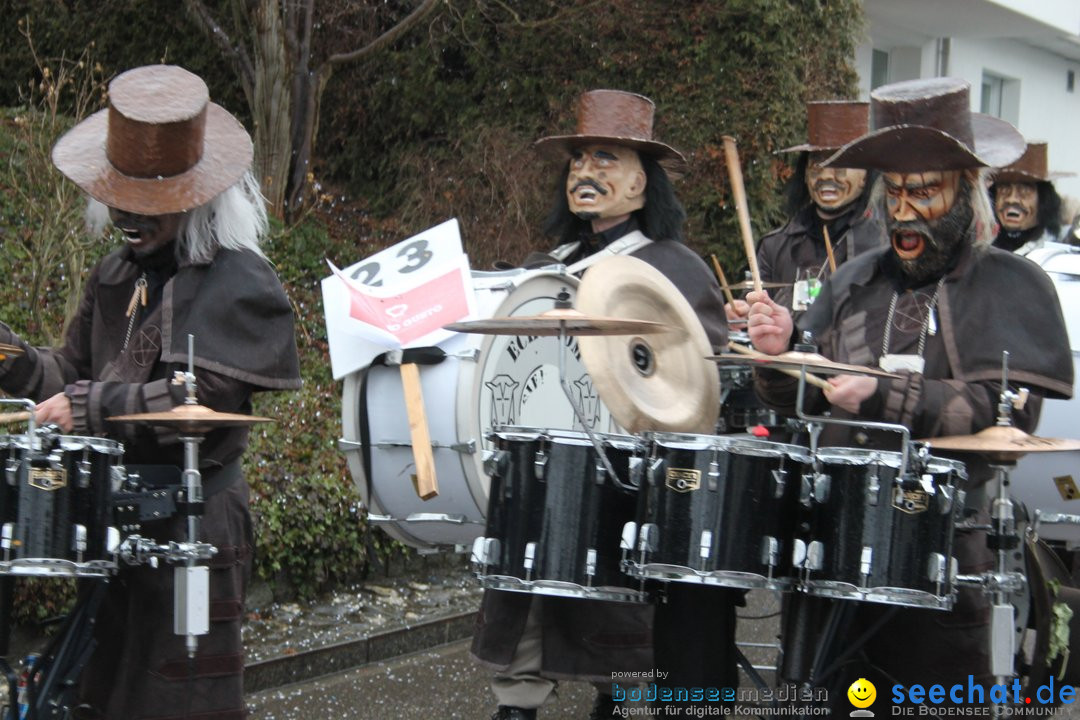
234	220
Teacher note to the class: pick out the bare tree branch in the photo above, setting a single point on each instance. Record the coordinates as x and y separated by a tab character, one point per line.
235	52
387	37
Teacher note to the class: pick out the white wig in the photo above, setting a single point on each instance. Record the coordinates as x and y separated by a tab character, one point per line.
235	220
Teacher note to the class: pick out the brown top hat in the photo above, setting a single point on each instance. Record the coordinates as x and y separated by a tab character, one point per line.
618	118
922	125
160	147
831	124
1030	168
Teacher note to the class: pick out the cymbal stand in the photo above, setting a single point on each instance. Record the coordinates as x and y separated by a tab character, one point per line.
563	302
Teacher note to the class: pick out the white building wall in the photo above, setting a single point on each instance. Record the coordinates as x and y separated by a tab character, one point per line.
1044	110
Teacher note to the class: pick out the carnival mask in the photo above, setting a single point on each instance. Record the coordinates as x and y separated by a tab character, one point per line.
145	234
605	181
832	189
1016	205
929	215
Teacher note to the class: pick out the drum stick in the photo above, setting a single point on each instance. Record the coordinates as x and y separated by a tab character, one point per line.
427	485
812	379
723	281
731	156
6	418
828	248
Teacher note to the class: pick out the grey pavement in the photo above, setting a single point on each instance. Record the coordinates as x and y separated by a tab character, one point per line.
445	683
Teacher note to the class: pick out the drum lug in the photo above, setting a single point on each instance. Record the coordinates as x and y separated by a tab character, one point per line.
770	551
714	473
822	483
807	556
485	551
655	467
83	473
530	559
873	490
112	540
636	468
866	563
7	537
11	470
590	565
936	567
649	538
806	491
779	477
945	499
79	542
599	472
705	545
629	536
540	464
496	463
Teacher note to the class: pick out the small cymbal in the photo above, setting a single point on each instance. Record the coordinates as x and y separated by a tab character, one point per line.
191	418
795	360
1004	443
749	285
569	320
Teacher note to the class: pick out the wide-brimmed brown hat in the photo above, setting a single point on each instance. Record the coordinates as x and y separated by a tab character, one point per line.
831	124
1030	168
618	118
923	125
160	147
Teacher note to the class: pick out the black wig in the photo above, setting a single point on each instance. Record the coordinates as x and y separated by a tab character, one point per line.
662	218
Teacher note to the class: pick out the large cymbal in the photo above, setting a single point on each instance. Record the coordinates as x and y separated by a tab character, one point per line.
568	320
795	359
657	382
191	418
1002	442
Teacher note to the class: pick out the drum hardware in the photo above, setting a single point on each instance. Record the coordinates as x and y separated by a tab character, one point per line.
749	285
467	447
452	518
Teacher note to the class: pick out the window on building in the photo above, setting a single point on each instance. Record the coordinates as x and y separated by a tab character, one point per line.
1000	97
879	68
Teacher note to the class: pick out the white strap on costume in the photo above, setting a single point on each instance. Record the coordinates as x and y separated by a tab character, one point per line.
623	246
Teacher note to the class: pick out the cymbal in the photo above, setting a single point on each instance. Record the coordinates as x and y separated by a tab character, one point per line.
795	360
648	382
191	418
569	320
1002	442
749	285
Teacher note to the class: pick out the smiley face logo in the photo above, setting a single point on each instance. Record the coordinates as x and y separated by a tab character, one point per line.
862	693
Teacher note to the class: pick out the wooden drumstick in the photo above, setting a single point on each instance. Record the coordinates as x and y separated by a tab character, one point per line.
828	248
731	156
723	281
810	378
427	485
6	418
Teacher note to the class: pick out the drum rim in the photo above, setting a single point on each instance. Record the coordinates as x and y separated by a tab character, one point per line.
757	446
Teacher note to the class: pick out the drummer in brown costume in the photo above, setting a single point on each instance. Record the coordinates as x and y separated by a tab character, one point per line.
820	199
170	169
615	197
1027	206
937	307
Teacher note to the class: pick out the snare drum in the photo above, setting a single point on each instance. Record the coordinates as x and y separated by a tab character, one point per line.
718	510
875	538
485	381
556	514
56	505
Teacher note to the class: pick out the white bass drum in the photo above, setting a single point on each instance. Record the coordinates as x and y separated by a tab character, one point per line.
484	381
1049	481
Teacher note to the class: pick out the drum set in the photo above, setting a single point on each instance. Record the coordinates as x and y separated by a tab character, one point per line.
70	508
601	510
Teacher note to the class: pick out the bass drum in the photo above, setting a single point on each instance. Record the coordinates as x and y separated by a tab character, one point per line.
482	383
1051	481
